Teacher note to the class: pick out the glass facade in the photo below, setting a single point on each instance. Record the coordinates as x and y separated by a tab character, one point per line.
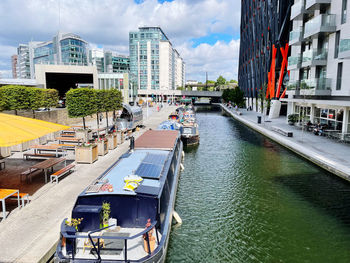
73	51
144	56
333	118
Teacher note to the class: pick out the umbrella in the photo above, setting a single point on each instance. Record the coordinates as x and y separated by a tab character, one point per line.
16	129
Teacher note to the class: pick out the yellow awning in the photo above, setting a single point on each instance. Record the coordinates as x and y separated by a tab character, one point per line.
16	129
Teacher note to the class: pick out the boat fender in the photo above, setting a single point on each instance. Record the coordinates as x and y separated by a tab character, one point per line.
183	155
182	167
177	217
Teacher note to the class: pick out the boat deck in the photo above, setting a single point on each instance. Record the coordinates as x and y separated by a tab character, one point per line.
114	249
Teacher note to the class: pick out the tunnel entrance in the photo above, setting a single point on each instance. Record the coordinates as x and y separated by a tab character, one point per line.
65	81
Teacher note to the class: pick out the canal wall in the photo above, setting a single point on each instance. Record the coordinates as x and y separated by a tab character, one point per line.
332	165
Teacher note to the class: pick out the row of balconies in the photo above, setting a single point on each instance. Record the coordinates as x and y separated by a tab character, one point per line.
317	86
323	23
308	58
302	7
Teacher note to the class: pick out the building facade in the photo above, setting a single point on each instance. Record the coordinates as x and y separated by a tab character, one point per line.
263	24
23	62
14	59
155	66
109	62
319	62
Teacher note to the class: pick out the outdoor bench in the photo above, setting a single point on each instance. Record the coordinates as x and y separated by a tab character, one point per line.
40	155
282	131
22	196
61	172
28	172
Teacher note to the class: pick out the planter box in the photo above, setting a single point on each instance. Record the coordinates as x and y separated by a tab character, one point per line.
86	154
21	147
112	141
5	151
102	147
86	135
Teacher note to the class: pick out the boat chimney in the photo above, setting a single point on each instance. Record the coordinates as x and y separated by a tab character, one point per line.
132	143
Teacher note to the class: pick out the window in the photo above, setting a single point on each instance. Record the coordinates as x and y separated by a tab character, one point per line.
343	11
336	48
339	75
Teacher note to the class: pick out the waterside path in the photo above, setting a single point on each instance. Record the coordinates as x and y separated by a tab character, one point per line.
30	234
324	152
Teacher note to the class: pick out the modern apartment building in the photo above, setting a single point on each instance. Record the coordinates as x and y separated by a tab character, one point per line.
14	59
318	89
63	49
264	24
155	66
108	61
23	62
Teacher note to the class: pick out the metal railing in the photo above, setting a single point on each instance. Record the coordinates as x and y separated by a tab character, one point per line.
311	55
97	245
316	24
297	8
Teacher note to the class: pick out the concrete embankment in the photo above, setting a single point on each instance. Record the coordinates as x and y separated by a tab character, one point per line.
30	234
329	155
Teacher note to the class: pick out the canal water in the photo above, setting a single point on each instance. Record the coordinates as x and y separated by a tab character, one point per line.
243	198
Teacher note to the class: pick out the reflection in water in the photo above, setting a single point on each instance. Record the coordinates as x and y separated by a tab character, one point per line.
243	198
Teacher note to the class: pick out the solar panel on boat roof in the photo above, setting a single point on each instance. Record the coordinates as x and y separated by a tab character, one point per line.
147	170
157	159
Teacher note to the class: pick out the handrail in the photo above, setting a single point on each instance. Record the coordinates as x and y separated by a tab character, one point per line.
97	249
111	237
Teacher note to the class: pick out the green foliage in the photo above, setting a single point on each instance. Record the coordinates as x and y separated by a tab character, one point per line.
293	118
220	81
115	99
106	211
236	96
35	96
233	81
81	102
50	98
101	100
180	88
17	97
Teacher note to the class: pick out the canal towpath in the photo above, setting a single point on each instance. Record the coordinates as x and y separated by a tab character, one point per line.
329	154
30	234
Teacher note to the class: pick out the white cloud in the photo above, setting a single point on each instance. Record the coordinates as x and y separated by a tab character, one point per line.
108	22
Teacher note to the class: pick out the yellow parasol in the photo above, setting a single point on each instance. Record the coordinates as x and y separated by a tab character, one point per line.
16	129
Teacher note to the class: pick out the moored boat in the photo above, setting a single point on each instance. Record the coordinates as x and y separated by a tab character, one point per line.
140	189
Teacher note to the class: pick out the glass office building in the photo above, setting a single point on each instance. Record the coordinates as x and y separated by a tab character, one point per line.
152	62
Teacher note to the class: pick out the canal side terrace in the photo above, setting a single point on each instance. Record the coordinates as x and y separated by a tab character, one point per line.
331	155
30	234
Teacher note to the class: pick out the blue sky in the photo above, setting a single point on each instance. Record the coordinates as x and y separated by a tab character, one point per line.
205	32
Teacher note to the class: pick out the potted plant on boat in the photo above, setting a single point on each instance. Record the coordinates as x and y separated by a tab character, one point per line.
86	153
106	211
71	227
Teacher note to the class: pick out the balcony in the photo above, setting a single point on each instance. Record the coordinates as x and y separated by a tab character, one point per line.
313	58
344	48
320	24
297	9
316	87
294	62
311	4
296	36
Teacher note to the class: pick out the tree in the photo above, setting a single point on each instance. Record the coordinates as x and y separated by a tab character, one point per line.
116	100
35	97
235	96
220	81
50	98
17	98
81	102
233	81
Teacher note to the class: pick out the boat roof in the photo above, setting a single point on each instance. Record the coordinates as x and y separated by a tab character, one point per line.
151	164
157	139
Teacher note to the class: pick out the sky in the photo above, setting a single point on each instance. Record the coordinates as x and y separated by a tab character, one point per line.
205	32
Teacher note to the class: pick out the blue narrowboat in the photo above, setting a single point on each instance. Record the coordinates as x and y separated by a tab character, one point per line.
139	190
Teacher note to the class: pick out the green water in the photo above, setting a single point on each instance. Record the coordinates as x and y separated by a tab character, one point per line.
243	198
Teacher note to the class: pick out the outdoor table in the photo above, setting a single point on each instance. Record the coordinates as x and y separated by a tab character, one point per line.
51	147
47	164
68	139
71	131
5	193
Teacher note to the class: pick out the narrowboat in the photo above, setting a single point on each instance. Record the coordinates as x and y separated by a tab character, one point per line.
137	195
